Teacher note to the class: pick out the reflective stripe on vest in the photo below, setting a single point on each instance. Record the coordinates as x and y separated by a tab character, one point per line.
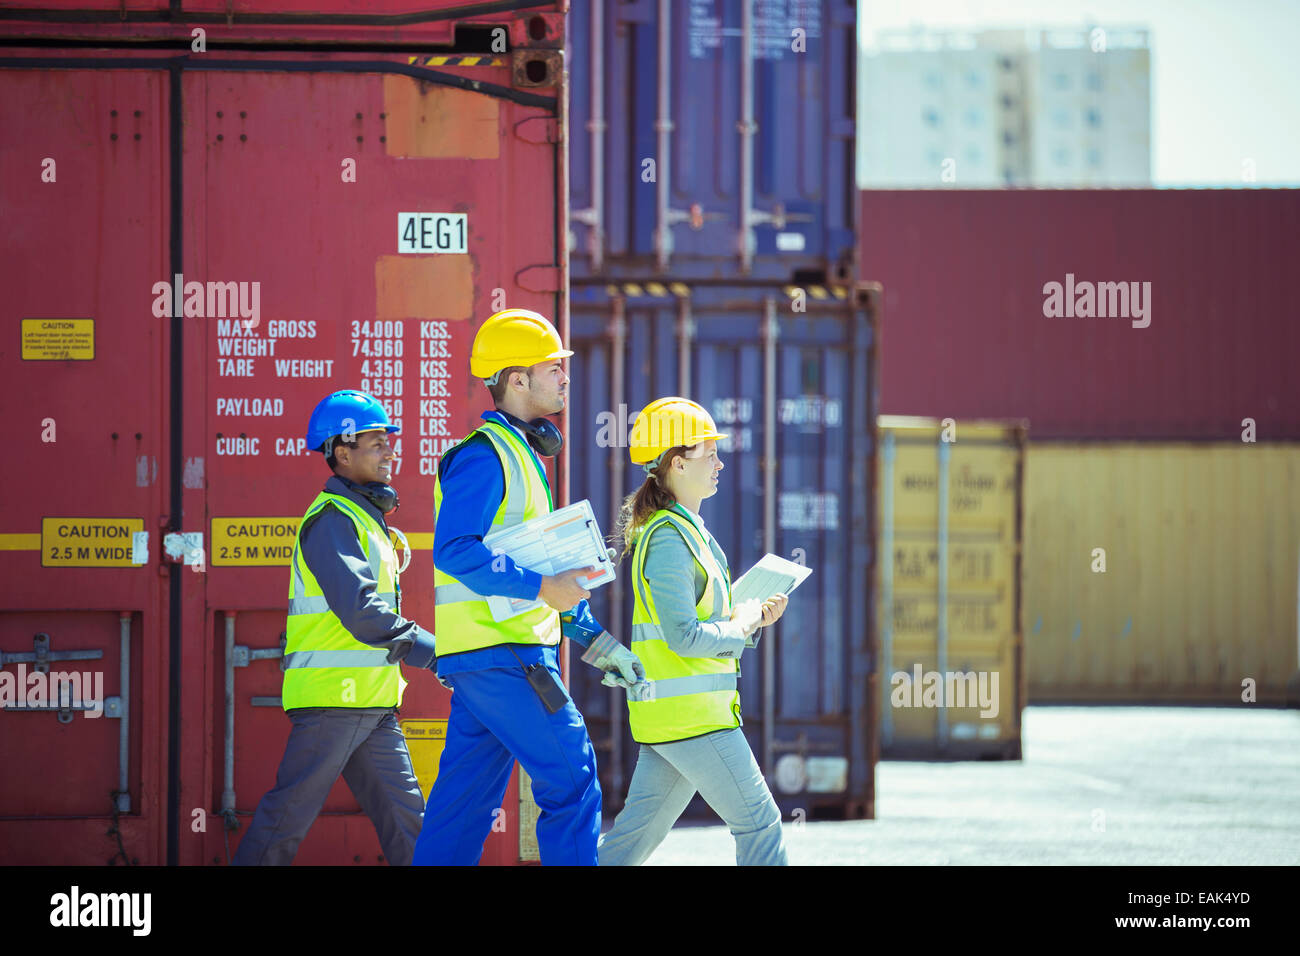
463	620
324	665
684	696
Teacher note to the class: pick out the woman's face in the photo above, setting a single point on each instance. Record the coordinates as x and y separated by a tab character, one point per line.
696	472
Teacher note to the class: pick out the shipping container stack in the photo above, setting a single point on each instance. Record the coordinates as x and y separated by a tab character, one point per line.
1148	336
712	244
213	219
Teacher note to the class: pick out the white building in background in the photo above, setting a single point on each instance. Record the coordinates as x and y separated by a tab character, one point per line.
997	108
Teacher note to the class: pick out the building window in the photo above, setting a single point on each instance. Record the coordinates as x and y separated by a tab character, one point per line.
1094	158
933	80
1008	138
1006	101
1093	118
1061	118
1061	156
973	80
972	155
1004	62
931	117
974	118
1061	81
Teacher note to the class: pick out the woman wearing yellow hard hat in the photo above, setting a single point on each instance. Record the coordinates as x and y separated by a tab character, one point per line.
689	637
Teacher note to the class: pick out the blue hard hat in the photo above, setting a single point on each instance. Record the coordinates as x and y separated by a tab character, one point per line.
344	412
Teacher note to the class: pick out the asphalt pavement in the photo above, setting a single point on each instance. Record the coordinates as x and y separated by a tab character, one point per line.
1108	786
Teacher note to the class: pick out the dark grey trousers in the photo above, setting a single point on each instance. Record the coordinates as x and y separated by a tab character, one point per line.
367	747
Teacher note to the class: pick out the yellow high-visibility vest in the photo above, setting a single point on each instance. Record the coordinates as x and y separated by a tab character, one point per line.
463	620
324	665
685	696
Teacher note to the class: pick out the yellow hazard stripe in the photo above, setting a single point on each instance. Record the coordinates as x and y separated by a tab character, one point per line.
421	539
456	61
20	542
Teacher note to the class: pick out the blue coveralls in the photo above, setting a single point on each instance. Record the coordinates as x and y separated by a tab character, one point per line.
496	716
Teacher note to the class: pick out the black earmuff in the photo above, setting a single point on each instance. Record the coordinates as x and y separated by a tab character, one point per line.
380	495
543	434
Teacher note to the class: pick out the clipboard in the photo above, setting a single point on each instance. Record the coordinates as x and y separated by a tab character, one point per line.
551	544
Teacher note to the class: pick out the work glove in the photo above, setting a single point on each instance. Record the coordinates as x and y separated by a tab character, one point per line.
749	615
622	668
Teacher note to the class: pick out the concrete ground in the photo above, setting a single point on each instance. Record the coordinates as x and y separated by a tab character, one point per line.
1114	786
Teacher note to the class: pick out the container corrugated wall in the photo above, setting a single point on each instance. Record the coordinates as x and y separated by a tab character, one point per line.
1163	572
173	444
951	640
795	391
964	271
713	139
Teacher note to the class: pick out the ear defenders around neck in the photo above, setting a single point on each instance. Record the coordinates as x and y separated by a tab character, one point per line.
543	435
380	495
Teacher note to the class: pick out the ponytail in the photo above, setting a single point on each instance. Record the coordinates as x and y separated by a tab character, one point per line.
652	496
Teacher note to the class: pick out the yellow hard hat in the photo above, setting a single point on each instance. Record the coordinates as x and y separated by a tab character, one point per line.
666	423
514	337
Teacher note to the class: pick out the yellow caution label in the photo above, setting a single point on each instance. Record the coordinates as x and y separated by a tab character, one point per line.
425	740
263	542
92	543
49	340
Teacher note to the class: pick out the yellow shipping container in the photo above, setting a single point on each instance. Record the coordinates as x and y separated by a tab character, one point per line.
1162	572
951	640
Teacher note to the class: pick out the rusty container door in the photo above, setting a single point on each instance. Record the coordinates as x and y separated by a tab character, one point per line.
395	203
792	387
83	616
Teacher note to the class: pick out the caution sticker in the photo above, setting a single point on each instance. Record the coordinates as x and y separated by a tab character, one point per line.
48	340
92	543
425	740
265	542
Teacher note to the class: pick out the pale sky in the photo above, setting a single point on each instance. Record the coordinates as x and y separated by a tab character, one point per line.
1225	74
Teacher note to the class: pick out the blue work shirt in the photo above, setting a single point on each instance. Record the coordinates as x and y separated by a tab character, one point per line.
473	487
333	554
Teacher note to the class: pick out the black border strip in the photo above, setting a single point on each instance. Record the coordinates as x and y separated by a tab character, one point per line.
178	64
177	15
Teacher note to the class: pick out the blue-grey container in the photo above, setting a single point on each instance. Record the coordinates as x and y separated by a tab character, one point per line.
713	139
796	391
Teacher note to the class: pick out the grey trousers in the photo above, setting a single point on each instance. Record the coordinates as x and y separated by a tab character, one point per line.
722	768
366	745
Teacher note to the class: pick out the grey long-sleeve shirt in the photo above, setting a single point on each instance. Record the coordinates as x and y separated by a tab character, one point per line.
677	583
333	553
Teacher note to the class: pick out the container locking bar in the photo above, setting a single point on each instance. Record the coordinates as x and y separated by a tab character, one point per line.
239	655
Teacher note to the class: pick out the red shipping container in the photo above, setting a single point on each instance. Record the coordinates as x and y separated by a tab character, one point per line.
965	333
368	220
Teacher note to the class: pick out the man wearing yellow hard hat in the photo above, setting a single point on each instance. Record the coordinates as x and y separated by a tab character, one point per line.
686	715
508	701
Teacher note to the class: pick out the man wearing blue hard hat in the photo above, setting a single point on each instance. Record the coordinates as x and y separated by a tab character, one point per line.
346	640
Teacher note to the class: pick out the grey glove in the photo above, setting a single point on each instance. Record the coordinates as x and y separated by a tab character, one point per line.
622	668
